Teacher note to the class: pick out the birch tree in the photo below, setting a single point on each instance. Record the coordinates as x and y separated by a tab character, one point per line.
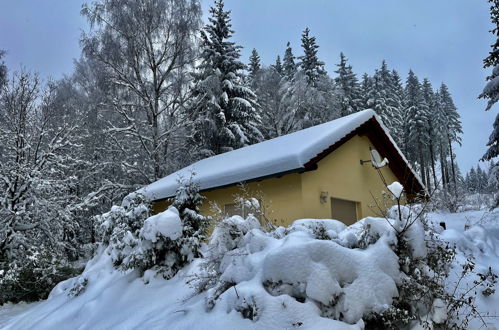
146	49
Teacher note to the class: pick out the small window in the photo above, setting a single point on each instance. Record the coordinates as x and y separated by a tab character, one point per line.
344	210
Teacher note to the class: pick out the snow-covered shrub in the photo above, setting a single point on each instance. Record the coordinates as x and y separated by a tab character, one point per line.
449	198
164	242
426	260
79	286
194	225
33	277
228	235
120	227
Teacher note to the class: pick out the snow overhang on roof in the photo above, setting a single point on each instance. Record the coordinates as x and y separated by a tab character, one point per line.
295	152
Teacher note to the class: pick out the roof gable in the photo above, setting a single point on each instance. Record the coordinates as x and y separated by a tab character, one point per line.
295	152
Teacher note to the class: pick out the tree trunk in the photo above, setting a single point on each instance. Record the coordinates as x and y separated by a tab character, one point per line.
452	162
422	165
442	168
432	159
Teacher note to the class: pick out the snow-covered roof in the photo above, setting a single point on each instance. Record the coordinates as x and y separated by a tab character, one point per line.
279	155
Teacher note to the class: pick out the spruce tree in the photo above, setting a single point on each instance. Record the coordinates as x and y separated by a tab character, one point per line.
349	88
224	110
187	201
452	125
380	95
365	89
396	106
433	132
3	69
417	138
254	64
309	62
289	65
491	90
278	65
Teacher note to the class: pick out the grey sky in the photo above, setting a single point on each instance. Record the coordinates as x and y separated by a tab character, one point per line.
443	40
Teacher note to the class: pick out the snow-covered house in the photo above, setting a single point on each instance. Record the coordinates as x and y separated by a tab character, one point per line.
319	172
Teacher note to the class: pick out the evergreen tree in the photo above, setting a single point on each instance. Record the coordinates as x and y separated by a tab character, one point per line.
278	65
365	89
472	181
3	69
289	65
433	135
417	138
482	179
491	90
224	109
383	99
187	201
396	106
309	62
452	124
493	177
254	64
349	88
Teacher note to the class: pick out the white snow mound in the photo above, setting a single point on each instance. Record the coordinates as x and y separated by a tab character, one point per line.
167	224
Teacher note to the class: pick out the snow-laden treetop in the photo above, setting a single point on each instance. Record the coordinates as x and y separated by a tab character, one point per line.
282	154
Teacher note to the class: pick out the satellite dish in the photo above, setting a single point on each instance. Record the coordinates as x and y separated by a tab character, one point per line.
376	159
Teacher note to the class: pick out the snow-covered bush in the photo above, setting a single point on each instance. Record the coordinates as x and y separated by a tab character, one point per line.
426	260
388	273
449	198
227	237
121	226
194	225
32	278
164	242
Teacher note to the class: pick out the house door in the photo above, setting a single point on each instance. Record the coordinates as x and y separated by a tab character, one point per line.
344	210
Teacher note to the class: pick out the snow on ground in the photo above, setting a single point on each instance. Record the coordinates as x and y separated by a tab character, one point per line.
474	233
291	260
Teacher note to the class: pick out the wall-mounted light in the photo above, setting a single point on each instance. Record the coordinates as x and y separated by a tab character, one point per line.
323	197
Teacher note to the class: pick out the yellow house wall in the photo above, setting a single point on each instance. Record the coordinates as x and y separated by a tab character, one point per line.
341	175
296	196
281	197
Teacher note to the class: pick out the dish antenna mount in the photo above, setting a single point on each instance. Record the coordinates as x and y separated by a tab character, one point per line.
376	160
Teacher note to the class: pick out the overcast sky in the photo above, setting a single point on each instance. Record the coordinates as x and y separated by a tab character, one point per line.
443	40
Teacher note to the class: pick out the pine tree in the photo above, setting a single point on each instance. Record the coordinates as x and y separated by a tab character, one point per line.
433	135
452	124
289	65
224	109
278	65
187	201
3	69
254	64
349	88
473	181
396	106
309	62
417	138
382	98
491	90
365	89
